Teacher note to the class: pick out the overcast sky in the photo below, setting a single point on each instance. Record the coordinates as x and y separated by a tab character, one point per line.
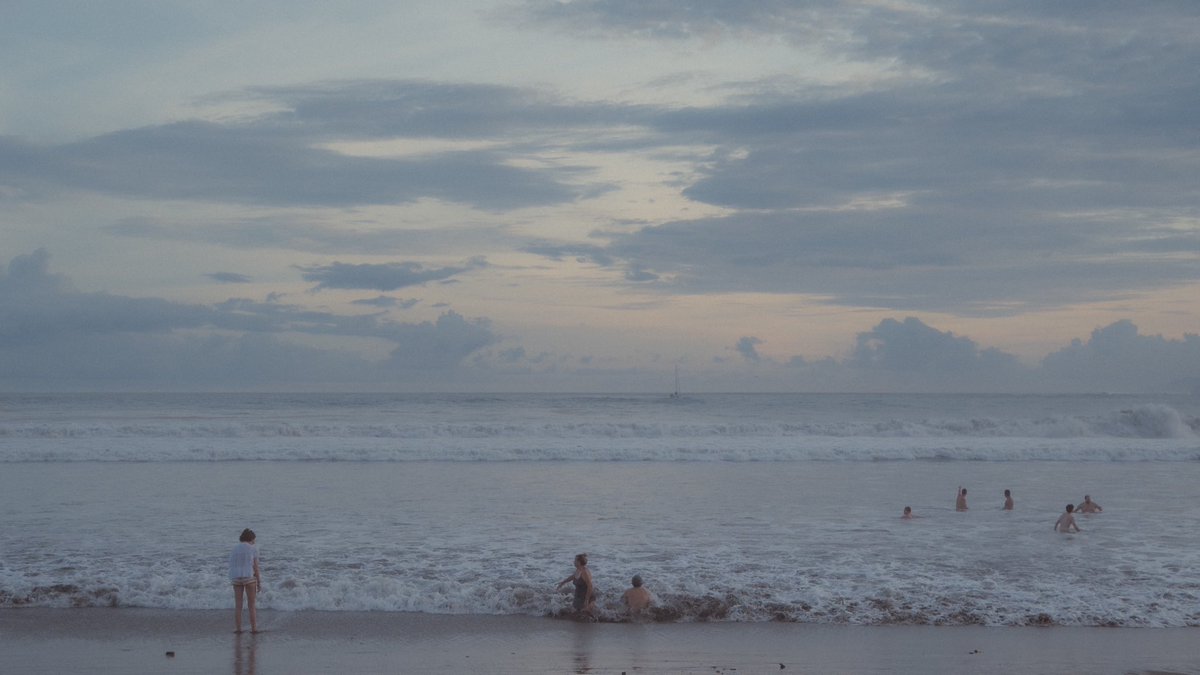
582	195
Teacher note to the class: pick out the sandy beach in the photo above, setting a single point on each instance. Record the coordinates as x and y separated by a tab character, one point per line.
39	640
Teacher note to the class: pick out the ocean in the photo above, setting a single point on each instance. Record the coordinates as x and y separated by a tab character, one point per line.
735	508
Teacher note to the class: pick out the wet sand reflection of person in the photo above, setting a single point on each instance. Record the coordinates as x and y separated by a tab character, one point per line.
244	658
583	649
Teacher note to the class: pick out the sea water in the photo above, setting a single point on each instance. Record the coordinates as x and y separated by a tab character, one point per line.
731	507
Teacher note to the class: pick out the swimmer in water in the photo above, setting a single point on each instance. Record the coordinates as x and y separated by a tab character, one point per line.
960	502
908	514
1088	506
1066	521
637	599
1008	501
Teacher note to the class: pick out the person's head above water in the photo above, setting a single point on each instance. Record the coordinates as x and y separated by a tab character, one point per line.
247	535
581	560
637	581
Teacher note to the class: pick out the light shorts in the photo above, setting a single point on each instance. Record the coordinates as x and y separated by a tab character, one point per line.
243	581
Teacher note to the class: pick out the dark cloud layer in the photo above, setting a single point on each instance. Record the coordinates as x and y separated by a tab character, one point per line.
293	233
229	277
906	262
50	333
1015	148
260	165
1022	156
381	277
384	301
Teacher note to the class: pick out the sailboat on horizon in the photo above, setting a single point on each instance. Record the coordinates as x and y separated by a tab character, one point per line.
675	394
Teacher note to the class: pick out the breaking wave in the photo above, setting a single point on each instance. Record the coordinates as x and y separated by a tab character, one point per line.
1146	433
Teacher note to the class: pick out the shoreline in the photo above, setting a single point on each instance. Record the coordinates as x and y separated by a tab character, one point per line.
130	640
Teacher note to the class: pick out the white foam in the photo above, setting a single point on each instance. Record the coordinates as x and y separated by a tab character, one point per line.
862	594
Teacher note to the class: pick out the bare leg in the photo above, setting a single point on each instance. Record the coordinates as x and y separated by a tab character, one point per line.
251	595
237	603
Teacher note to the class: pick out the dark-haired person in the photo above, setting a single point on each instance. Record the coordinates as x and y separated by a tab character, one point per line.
243	573
585	592
1008	501
1066	521
960	500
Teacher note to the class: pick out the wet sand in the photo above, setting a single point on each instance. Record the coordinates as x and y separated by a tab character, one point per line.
38	640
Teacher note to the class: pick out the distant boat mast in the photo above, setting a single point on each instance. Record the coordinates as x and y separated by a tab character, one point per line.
676	393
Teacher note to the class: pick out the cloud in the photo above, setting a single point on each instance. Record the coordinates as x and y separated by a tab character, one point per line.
201	161
229	278
1117	358
946	186
1012	36
670	20
911	345
1013	157
512	355
894	356
440	345
636	273
303	233
907	261
580	252
748	348
282	159
37	306
385	301
365	109
381	277
30	274
52	335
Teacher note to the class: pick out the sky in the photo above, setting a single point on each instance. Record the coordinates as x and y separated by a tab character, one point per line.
586	195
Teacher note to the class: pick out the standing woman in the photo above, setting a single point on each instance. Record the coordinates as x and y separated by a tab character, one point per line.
585	592
243	572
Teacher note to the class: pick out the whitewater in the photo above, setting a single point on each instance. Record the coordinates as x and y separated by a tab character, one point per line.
732	507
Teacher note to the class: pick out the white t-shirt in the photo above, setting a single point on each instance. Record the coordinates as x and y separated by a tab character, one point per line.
241	561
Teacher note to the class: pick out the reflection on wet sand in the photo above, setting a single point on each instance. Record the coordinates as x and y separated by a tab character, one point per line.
244	654
583	648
